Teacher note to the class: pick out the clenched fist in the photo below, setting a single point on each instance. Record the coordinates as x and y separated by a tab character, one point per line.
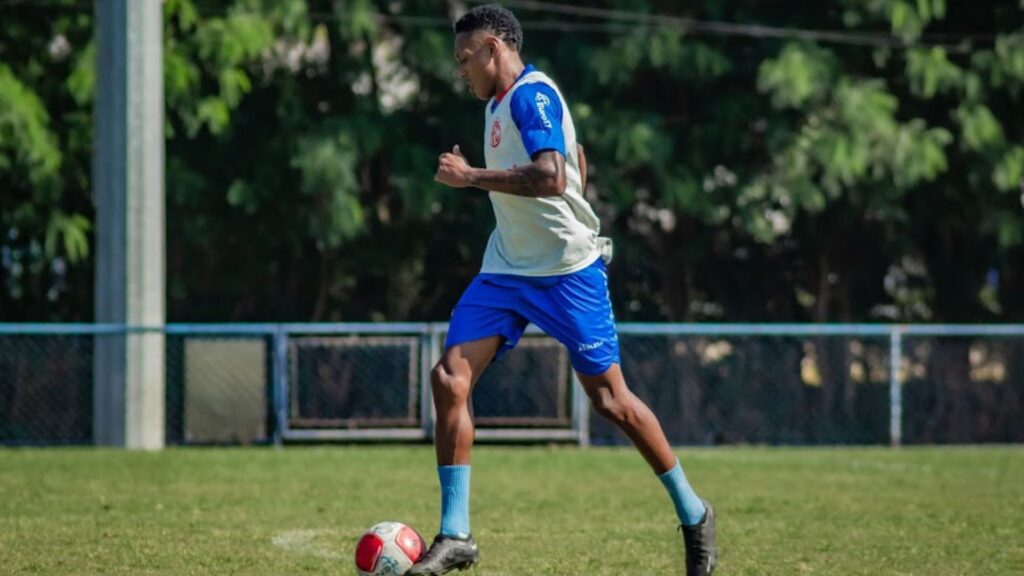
453	169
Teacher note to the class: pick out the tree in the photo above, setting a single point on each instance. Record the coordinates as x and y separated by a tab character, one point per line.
742	178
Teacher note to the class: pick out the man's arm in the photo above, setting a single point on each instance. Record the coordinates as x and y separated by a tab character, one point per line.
544	176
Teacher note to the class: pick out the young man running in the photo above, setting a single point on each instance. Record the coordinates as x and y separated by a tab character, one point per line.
543	265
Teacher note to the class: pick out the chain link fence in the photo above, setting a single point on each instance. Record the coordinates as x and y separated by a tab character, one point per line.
960	389
529	387
708	384
353	381
759	389
46	388
217	389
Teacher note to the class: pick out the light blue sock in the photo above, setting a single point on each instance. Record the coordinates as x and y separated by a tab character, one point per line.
689	507
454	500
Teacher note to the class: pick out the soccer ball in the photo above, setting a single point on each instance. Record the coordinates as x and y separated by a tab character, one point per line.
388	549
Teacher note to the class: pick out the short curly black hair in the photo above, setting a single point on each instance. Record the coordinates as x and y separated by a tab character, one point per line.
494	18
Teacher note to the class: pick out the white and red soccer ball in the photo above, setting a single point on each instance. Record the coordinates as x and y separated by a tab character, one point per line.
388	549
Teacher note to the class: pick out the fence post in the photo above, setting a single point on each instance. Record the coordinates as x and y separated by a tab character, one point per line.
434	345
426	398
580	411
280	368
895	390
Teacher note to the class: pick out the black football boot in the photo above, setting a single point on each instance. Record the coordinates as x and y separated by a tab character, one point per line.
699	544
446	554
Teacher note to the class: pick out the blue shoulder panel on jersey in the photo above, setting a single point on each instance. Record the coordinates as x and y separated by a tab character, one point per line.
537	112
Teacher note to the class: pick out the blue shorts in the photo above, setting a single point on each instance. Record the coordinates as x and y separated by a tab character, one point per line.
574	309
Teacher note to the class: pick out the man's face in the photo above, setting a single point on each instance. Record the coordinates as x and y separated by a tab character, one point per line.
475	53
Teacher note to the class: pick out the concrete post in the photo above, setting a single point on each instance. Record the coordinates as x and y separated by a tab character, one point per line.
128	190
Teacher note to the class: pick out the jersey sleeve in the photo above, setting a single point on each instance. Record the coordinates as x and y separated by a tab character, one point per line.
537	111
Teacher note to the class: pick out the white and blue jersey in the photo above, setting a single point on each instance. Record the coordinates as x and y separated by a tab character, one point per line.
543	261
536	236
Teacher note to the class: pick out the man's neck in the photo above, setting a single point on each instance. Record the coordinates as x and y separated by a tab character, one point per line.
510	67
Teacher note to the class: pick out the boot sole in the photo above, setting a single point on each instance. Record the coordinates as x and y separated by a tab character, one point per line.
459	567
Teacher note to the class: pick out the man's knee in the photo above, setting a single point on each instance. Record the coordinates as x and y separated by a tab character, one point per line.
448	386
615	408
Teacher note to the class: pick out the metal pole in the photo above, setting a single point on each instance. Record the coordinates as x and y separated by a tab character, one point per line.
895	389
280	367
128	191
436	343
426	397
580	411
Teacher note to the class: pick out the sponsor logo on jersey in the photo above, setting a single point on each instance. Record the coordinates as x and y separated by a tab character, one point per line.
543	102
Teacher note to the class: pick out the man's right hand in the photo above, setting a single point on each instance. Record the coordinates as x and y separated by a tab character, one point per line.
453	169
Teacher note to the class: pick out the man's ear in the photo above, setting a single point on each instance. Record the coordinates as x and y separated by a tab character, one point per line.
494	43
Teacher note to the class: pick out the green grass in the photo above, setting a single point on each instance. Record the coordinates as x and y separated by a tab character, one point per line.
536	511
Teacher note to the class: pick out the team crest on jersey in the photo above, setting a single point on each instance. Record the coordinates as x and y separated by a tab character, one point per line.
496	133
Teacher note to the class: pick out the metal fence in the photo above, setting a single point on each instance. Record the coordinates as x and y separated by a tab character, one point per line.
708	384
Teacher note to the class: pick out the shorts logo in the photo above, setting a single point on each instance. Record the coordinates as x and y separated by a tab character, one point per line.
590	346
542	103
496	133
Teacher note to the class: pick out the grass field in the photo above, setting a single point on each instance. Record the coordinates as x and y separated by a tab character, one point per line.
536	511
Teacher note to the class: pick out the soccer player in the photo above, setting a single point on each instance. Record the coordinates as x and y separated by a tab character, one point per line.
544	265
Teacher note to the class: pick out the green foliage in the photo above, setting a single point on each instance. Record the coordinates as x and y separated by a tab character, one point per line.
302	139
802	74
29	156
931	72
1010	53
328	164
851	145
82	82
27	146
979	128
662	49
1009	172
219	50
73	230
